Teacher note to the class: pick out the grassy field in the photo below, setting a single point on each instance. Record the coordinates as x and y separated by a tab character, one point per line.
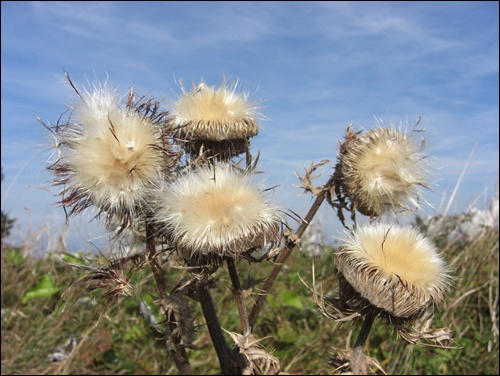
118	340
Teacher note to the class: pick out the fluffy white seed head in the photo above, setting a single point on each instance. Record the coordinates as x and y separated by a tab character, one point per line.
110	154
216	114
396	269
216	212
383	170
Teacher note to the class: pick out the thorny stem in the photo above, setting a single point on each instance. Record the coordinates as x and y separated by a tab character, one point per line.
358	363
238	294
287	250
228	359
178	355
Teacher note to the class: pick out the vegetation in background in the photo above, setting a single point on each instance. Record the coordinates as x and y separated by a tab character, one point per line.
121	340
7	222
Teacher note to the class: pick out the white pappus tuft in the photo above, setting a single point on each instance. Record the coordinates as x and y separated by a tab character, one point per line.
216	211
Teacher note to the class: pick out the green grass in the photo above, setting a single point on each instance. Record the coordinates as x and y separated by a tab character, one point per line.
118	340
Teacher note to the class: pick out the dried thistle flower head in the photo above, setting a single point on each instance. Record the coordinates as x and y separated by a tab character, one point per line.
259	362
110	153
221	119
112	276
391	270
382	169
216	212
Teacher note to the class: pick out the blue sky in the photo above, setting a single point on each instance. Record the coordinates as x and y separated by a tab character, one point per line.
314	68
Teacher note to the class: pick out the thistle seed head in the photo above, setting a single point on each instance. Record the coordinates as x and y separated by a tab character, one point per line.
220	118
382	170
216	212
110	153
393	270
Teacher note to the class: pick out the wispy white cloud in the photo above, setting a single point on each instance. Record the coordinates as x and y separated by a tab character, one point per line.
77	18
314	67
157	25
